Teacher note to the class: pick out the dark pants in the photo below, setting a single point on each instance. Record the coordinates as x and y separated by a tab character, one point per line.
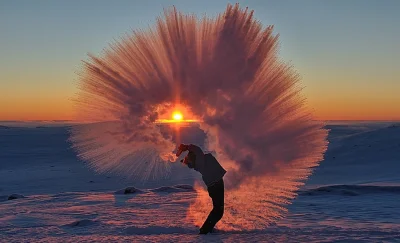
216	192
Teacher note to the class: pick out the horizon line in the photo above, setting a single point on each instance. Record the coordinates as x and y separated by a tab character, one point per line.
323	120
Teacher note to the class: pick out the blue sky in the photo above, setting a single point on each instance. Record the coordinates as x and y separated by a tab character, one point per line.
348	52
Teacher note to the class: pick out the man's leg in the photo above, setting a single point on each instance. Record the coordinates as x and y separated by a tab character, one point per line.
216	193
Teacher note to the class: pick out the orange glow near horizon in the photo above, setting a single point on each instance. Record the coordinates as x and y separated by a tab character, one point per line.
23	105
63	111
30	110
33	110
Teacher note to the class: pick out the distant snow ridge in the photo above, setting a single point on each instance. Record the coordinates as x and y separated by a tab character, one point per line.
185	187
166	189
177	188
396	125
224	70
10	197
129	190
351	190
15	196
82	223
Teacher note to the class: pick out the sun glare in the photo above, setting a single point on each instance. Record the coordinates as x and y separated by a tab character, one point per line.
177	116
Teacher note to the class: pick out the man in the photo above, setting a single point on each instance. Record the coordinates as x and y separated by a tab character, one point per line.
212	174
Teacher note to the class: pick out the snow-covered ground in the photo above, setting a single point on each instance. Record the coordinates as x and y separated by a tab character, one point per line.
47	195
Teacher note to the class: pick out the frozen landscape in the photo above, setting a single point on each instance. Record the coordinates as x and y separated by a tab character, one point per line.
48	195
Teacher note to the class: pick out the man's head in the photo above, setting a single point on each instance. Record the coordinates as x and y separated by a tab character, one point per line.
190	159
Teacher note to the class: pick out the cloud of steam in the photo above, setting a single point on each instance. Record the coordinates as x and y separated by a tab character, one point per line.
227	72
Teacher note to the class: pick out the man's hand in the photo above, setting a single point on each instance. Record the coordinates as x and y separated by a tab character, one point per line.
182	148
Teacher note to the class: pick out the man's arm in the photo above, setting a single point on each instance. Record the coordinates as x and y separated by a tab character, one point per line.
181	149
188	147
198	152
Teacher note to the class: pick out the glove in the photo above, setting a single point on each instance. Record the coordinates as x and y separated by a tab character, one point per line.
181	149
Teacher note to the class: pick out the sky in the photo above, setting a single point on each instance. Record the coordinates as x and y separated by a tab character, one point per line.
347	52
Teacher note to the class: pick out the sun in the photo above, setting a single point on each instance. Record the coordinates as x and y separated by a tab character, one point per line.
177	116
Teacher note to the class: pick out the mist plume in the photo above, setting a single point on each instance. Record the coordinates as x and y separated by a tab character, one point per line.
227	72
